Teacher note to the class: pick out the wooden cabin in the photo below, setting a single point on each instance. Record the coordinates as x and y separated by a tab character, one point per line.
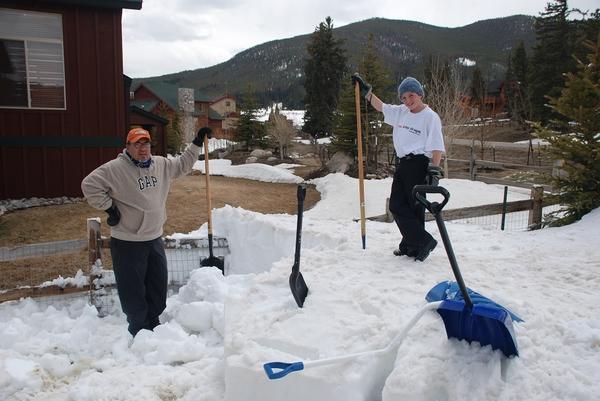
64	101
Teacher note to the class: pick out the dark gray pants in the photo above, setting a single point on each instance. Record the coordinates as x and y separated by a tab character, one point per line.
409	214
141	273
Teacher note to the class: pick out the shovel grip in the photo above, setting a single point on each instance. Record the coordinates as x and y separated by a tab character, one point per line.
277	370
419	192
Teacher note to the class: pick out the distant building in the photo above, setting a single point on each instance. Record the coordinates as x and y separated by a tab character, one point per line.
494	104
64	104
166	100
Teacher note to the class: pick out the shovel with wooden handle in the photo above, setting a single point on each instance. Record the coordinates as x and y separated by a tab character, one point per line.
212	260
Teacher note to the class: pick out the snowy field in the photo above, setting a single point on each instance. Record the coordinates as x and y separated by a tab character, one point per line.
217	331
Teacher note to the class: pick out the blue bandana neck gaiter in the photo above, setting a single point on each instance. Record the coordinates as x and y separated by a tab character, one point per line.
138	163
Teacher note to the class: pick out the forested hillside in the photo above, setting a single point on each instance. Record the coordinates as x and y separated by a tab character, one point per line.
275	69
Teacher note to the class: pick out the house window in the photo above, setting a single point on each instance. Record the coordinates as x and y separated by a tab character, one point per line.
32	73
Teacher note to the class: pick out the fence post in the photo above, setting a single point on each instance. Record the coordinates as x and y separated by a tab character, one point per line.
535	214
472	164
94	245
504	207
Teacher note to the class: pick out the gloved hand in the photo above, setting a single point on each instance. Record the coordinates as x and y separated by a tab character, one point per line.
202	132
365	88
434	174
114	216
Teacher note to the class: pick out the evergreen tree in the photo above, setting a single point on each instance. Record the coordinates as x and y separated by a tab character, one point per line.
551	58
517	85
584	30
248	129
344	135
174	137
577	142
324	71
477	89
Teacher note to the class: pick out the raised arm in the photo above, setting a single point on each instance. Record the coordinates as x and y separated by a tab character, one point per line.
367	91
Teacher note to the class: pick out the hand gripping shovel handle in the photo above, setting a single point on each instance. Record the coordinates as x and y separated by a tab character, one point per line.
277	370
435	208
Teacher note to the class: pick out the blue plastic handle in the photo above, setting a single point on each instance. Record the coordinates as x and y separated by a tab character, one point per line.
285	369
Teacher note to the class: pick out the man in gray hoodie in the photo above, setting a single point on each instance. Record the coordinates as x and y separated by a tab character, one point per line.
133	190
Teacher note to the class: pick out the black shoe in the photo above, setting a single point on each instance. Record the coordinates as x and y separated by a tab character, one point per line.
402	250
426	250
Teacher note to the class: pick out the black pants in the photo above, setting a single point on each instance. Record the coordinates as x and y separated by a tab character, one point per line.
141	273
408	213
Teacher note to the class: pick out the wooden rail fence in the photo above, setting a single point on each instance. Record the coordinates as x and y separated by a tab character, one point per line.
95	243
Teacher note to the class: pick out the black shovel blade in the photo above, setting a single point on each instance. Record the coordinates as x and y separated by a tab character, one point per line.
218	262
486	324
298	287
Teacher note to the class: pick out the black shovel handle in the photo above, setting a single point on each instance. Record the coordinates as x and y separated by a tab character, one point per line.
301	195
419	192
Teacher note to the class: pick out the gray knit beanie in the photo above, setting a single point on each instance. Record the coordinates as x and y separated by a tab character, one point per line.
409	84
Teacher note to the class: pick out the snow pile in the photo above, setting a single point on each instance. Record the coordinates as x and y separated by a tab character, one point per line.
217	331
68	352
253	171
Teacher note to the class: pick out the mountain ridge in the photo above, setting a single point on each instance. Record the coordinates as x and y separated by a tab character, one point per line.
275	68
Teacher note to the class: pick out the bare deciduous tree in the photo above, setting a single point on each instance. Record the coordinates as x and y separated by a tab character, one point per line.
280	130
443	93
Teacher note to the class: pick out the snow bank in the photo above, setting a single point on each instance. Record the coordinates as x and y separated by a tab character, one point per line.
253	171
218	331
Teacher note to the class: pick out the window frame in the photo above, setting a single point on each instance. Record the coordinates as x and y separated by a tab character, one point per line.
26	40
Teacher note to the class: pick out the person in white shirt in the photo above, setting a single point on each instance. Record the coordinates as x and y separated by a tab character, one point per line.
419	145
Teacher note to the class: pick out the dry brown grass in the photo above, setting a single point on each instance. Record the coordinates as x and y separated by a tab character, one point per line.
186	211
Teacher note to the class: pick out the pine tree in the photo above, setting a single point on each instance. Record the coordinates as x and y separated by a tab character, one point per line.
517	85
324	71
551	58
173	133
344	135
248	129
477	89
577	141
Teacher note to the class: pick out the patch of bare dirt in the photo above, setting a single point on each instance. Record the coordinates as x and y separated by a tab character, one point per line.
186	209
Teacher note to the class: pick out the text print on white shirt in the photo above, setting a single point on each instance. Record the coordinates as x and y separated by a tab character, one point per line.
411	130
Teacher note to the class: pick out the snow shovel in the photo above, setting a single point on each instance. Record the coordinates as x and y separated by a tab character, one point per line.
277	370
482	321
212	260
361	180
297	284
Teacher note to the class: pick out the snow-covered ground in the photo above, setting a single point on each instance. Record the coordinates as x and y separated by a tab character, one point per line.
218	331
295	116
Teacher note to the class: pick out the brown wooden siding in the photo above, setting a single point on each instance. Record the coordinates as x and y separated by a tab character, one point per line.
46	153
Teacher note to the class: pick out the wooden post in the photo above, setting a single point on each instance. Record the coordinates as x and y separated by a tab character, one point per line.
535	214
472	164
94	245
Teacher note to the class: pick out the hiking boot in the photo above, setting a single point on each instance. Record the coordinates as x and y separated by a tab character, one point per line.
426	250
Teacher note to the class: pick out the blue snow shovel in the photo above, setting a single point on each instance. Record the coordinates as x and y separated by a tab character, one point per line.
483	321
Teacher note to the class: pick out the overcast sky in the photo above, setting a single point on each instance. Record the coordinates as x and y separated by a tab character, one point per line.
176	35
